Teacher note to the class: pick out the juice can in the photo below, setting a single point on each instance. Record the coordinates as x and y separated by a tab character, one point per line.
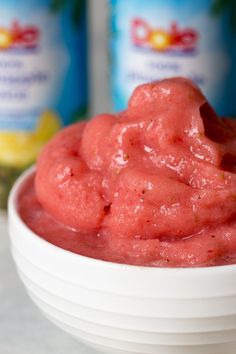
156	39
43	78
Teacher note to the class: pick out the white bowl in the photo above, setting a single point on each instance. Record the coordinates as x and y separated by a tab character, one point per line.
126	309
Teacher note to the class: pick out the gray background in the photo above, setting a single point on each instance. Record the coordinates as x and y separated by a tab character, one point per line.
23	330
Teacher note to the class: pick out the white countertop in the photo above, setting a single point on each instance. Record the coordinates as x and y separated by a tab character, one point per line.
23	329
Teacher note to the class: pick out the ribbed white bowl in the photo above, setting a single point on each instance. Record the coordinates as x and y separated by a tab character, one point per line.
126	309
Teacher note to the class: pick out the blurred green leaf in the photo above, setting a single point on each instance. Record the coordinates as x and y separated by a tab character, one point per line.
57	5
8	175
77	8
79	114
219	6
233	14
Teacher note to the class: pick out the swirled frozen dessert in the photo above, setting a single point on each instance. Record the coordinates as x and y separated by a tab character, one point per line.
154	185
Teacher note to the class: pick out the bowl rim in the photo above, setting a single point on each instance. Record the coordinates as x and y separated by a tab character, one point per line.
16	218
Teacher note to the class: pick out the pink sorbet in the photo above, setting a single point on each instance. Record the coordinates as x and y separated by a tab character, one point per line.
154	185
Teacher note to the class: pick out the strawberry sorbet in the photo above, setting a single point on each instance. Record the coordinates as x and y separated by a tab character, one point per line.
154	185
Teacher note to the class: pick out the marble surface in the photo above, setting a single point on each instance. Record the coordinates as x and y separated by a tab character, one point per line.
23	329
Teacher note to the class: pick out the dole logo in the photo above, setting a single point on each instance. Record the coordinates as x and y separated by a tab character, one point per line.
19	36
174	39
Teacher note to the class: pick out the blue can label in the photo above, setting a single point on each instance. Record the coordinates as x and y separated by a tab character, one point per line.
42	64
155	39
